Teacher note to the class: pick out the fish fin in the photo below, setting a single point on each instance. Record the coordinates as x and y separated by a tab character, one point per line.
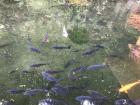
138	41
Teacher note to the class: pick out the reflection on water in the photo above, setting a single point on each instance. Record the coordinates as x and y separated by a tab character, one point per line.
40	64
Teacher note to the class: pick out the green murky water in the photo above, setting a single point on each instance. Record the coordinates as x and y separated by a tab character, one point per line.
20	20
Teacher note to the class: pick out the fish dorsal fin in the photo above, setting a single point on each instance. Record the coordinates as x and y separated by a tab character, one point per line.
138	41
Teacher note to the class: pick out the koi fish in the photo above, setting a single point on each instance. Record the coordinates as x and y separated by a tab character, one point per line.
124	102
61	47
59	90
38	65
15	91
54	71
79	69
33	49
96	95
49	77
31	92
5	45
50	101
88	52
82	98
96	67
127	87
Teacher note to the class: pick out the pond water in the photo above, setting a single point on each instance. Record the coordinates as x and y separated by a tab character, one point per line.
87	40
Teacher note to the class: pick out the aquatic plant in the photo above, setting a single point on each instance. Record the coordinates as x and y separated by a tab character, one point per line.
79	35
